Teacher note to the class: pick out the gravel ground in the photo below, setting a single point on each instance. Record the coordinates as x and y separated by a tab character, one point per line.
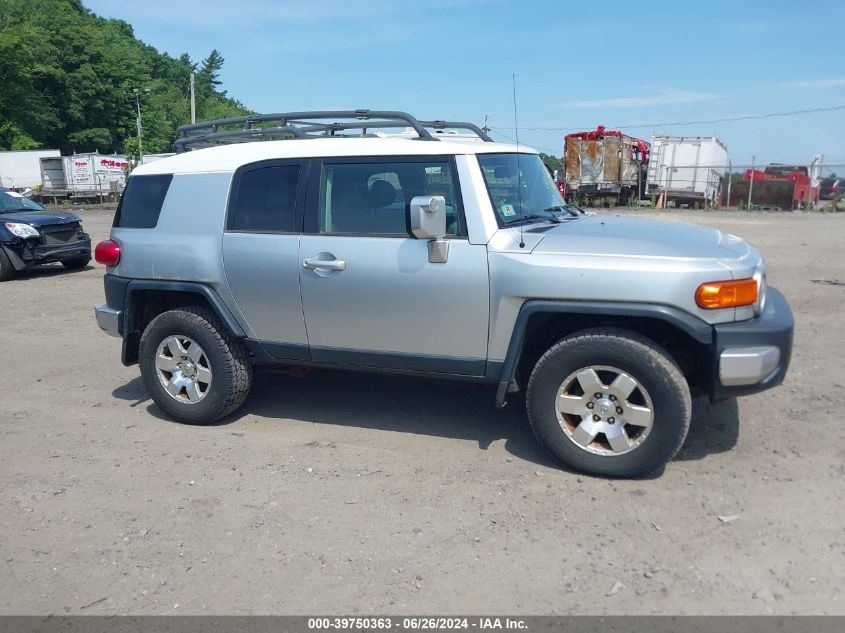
345	493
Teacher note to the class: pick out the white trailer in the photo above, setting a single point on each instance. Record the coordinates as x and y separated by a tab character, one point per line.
687	169
151	158
22	169
84	175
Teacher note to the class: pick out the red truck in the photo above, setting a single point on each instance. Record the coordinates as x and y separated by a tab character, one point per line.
782	185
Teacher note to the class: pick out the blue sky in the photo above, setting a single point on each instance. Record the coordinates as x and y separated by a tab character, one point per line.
577	64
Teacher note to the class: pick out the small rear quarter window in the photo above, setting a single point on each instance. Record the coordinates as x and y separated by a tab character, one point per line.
141	202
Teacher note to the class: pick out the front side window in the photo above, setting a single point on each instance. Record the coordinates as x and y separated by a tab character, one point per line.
521	188
265	200
371	198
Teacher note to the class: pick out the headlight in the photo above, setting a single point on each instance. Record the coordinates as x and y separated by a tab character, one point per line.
21	230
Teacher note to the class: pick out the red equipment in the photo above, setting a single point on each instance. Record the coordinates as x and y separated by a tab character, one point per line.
796	177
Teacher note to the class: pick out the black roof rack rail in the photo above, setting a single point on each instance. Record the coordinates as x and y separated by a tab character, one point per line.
303	125
459	125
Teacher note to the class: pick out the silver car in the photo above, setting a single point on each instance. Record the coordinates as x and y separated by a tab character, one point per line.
435	251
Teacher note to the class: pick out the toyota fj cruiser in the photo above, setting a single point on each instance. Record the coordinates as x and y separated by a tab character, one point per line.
429	252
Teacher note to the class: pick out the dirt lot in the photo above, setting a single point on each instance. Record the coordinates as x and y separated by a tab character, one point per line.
338	493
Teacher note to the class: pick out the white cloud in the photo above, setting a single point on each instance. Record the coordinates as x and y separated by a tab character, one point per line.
666	97
830	82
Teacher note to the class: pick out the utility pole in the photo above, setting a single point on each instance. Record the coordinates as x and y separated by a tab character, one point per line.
138	123
751	182
193	101
728	201
815	178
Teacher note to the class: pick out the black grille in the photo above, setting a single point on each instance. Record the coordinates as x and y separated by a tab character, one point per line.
60	233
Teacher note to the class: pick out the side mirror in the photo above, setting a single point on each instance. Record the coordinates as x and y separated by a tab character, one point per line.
427	217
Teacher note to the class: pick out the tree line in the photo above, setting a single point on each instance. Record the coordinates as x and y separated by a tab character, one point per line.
68	79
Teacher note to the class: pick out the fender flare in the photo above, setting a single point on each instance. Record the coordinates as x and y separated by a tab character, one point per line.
227	320
129	354
694	327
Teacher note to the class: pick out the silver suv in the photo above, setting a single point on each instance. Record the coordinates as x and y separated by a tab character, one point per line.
432	250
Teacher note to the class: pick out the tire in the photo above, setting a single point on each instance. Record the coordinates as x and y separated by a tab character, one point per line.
76	263
661	397
217	355
7	271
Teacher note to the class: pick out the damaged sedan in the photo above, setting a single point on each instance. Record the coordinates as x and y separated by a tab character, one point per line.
31	235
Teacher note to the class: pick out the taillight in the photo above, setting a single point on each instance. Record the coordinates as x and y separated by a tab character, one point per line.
107	253
726	294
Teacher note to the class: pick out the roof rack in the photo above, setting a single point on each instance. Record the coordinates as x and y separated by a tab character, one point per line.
305	125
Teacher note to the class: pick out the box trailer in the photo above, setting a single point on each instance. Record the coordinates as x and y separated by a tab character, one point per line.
151	158
88	175
687	169
22	170
603	164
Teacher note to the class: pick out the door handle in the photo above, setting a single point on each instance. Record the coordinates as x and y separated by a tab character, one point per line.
312	263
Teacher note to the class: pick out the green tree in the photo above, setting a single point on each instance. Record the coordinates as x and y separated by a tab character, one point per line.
209	73
552	163
67	81
95	137
13	137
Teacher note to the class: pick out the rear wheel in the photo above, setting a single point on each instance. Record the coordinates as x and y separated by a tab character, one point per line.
609	402
193	370
7	271
75	263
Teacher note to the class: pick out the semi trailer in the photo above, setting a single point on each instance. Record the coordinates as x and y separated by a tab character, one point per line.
687	170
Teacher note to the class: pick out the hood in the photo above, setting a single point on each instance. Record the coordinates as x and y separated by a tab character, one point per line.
640	237
38	218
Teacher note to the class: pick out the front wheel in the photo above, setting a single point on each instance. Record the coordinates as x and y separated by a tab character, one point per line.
194	371
609	402
7	271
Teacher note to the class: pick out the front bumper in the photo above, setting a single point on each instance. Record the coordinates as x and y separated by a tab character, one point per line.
753	355
24	253
58	252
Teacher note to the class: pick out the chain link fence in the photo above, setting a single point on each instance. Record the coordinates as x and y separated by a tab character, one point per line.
773	186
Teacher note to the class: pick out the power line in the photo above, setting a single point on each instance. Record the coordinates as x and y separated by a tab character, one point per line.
678	123
545	149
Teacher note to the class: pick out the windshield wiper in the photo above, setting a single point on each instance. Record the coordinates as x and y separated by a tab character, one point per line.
561	207
533	216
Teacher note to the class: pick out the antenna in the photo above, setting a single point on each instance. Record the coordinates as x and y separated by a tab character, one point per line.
518	170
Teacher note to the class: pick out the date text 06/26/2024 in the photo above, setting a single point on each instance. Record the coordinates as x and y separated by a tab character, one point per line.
416	623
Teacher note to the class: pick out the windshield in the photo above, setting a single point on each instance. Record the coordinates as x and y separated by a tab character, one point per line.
521	188
10	202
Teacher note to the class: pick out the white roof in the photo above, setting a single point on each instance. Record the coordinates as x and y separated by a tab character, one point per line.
226	158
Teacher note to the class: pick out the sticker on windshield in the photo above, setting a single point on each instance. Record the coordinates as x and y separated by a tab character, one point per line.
507	210
14	194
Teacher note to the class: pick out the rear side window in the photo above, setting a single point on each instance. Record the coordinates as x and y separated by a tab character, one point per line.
265	200
141	202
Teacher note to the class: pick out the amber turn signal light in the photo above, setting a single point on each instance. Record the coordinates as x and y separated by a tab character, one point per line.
726	294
